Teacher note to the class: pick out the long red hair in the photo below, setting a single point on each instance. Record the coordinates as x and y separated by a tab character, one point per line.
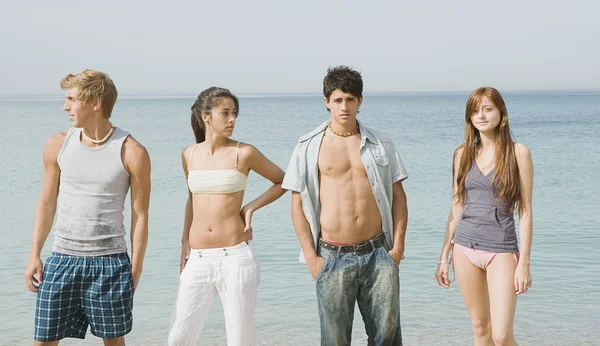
506	180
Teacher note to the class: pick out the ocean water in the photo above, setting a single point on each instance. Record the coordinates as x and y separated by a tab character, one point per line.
560	128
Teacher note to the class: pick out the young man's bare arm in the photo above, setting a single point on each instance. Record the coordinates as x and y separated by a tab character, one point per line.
45	210
400	220
304	235
137	162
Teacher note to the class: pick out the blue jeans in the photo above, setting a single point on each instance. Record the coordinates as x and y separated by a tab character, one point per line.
369	278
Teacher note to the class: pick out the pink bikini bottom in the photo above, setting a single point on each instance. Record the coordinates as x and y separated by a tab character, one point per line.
479	258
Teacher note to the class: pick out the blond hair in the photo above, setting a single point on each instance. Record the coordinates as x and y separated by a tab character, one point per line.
93	85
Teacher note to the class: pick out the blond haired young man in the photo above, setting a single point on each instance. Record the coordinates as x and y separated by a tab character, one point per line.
88	170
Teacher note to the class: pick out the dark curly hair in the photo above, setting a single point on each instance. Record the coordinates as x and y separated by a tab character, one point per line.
342	78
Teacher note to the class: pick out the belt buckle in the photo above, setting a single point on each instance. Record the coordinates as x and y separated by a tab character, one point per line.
358	246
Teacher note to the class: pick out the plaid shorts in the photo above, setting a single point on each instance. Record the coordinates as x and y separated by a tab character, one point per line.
80	291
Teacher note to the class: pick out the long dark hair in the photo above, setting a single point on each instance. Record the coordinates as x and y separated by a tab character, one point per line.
506	174
206	101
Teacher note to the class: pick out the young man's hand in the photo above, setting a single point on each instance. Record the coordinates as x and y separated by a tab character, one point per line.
315	266
135	274
35	266
397	254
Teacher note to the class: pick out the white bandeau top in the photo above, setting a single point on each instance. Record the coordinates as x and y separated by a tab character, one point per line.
216	181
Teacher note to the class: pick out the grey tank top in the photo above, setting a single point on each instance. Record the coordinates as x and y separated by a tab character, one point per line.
91	197
485	223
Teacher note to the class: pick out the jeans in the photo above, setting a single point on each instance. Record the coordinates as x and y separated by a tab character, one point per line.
369	278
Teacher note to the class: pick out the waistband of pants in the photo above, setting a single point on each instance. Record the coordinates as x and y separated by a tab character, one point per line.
114	255
220	252
369	245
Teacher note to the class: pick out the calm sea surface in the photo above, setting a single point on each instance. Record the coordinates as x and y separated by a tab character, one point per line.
561	129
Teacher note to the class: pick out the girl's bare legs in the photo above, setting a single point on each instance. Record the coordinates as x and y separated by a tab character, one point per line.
503	302
474	290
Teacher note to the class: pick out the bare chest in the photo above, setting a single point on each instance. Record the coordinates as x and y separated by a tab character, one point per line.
338	156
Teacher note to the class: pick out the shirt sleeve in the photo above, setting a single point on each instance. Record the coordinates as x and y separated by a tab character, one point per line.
291	180
397	167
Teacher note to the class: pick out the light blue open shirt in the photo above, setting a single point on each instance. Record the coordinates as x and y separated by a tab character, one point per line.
382	163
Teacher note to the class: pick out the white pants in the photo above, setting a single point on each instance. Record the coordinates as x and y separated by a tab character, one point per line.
233	273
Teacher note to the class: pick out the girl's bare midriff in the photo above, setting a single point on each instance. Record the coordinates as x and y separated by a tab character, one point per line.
217	221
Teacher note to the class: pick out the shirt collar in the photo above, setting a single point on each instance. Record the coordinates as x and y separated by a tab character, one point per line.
315	132
366	134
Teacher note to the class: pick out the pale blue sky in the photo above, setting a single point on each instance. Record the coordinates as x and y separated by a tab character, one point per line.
286	46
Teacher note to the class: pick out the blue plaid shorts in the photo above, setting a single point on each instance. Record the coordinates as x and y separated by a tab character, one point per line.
80	291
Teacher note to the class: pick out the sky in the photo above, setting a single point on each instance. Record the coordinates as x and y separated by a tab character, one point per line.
183	47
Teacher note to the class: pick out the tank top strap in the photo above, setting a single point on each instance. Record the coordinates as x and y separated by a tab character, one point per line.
190	159
236	155
120	136
70	134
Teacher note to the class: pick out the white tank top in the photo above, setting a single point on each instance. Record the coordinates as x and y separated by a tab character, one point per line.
91	197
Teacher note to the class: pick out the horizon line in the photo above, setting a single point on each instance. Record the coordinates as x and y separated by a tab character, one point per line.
305	93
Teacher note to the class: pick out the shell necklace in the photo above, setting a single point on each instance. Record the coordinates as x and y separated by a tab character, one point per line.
344	134
98	141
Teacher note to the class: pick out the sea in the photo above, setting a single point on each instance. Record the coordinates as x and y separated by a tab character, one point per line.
561	308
